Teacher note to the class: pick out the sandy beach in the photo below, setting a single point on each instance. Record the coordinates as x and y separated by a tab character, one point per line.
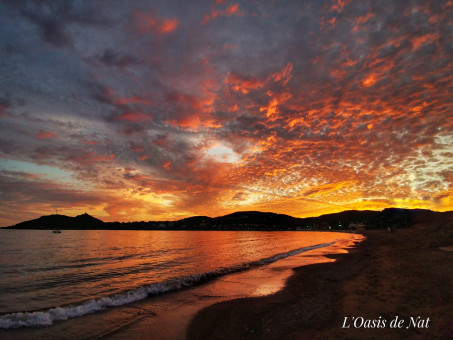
349	290
404	274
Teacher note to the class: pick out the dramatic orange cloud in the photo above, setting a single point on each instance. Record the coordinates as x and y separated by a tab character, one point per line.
244	85
155	111
132	117
168	25
151	23
46	134
230	10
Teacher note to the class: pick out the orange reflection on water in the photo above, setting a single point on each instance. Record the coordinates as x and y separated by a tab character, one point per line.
271	278
115	261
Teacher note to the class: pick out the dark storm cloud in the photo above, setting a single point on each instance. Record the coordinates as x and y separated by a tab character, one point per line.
113	58
52	31
53	17
4	105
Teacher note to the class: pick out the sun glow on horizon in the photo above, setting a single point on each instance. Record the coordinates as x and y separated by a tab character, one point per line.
216	107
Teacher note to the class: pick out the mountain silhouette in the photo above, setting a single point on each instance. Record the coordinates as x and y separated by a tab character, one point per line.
250	220
57	221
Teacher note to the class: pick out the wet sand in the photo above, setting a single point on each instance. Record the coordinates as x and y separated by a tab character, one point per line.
404	274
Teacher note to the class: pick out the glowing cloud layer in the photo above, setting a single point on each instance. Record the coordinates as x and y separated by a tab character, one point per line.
160	110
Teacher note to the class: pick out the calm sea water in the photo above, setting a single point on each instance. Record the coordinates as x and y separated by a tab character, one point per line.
47	277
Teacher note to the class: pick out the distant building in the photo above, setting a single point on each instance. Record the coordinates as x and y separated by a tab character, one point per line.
356	225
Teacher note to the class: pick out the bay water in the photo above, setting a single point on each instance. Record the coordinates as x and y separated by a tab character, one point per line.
47	277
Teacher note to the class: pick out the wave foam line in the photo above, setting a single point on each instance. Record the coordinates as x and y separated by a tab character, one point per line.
48	317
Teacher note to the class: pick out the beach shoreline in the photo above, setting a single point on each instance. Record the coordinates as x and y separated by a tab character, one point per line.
404	274
167	316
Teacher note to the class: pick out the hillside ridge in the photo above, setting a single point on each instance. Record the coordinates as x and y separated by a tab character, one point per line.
248	220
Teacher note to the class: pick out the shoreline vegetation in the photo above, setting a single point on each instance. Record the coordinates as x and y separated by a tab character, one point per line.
390	218
404	274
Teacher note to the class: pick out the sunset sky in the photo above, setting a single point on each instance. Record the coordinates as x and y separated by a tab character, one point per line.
159	110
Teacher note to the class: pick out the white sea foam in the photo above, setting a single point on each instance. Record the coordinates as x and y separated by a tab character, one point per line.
48	317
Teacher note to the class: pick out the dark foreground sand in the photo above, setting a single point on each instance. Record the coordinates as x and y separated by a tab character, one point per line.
407	273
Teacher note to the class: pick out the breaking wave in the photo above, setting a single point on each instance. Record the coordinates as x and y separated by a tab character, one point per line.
48	317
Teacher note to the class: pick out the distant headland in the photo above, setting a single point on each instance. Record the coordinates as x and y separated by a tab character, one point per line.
248	220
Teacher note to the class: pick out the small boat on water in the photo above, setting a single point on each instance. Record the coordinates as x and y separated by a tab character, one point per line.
56	231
